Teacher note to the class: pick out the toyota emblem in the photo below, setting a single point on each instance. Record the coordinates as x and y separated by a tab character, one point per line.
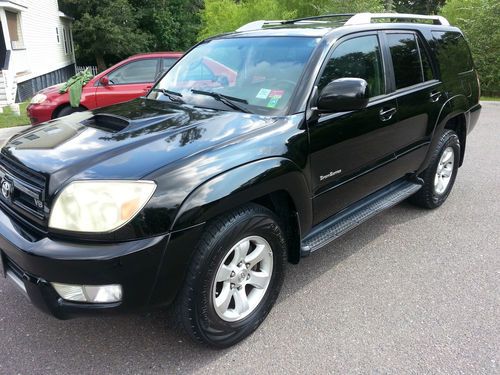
6	188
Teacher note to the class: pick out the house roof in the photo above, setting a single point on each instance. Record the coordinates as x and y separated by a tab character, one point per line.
64	15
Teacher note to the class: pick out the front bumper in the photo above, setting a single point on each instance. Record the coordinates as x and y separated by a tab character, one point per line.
34	263
39	113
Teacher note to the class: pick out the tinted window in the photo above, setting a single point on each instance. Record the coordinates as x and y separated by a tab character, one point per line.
135	72
357	58
453	54
426	65
405	59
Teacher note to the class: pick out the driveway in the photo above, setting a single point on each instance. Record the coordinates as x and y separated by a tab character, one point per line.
410	292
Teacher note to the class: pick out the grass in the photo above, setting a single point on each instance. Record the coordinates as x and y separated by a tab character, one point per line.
490	98
9	119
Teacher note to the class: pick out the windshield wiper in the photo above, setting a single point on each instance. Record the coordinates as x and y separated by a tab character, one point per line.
172	95
230	101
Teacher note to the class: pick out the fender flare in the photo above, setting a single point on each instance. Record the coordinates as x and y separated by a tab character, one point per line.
454	106
243	184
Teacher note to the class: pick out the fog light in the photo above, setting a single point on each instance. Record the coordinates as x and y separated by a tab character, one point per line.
89	293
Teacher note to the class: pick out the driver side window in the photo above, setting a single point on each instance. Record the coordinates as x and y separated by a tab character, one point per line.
357	58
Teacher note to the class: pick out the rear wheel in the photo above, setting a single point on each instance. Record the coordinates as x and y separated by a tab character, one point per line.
441	173
235	277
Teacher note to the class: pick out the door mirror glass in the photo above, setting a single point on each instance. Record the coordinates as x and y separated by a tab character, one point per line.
104	81
343	94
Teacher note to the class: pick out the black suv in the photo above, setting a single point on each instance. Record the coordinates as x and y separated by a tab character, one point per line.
258	147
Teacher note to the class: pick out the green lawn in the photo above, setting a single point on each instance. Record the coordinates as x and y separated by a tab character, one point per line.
9	119
490	98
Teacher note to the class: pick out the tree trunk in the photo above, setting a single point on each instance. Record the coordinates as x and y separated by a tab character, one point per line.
101	64
388	5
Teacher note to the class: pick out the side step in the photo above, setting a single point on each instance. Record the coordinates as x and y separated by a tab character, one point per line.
361	211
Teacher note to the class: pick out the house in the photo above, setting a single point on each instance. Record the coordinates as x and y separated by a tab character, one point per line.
36	48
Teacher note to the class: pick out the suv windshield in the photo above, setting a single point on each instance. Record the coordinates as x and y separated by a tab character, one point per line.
256	74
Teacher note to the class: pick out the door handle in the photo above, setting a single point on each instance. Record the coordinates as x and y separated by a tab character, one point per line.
435	96
387	113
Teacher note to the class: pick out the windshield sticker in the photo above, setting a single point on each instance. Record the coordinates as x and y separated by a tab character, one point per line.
273	102
276	93
263	94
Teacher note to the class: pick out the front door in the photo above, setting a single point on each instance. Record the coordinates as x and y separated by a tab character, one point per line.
349	149
127	82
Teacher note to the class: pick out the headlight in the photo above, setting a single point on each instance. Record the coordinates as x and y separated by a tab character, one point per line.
99	206
38	98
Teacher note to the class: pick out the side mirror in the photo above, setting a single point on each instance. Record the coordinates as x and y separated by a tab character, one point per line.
104	80
344	94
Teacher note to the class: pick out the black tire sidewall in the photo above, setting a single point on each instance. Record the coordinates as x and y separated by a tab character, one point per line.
214	330
68	111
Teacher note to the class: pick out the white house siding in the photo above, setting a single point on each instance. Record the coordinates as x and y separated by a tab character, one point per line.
40	60
39	23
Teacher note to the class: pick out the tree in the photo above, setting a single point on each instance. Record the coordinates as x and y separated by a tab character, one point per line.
416	6
227	15
172	24
478	19
104	28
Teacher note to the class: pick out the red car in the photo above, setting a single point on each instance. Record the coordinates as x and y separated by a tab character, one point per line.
124	81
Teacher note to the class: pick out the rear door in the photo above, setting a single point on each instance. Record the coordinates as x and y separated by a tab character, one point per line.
128	82
419	95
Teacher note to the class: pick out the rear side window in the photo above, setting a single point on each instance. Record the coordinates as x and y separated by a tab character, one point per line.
452	53
409	59
356	58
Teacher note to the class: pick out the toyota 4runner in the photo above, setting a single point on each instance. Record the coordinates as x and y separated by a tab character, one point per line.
255	149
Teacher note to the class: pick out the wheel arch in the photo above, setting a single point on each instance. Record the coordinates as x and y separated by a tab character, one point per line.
60	107
275	183
453	116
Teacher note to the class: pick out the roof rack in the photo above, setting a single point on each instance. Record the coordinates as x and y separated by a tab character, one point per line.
363	18
354	19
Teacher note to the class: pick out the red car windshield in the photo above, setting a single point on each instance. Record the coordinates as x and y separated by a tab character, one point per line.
260	73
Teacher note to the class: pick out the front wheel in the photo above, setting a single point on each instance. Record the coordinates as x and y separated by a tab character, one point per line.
235	277
441	173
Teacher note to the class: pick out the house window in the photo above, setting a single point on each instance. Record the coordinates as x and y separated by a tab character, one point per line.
57	35
14	25
65	41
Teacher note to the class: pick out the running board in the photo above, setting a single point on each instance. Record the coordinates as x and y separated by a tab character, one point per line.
353	216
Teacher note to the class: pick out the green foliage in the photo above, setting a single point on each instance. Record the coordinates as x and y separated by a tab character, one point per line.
417	6
105	28
227	15
478	19
75	85
106	31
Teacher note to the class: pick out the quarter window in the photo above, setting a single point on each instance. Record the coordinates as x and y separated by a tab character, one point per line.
405	60
356	58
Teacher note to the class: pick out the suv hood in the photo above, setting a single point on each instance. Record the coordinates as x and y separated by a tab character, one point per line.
125	141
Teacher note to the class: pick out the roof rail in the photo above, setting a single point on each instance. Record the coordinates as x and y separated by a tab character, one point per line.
363	18
256	25
354	19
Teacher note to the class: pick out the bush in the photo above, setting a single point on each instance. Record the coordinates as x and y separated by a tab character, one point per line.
478	19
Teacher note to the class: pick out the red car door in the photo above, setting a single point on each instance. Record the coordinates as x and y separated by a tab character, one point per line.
127	82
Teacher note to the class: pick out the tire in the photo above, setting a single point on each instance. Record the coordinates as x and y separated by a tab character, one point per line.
433	194
197	305
65	111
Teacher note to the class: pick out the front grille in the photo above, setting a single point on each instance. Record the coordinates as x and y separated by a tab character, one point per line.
23	192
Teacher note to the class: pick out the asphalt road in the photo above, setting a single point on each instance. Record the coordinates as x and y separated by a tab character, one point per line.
409	292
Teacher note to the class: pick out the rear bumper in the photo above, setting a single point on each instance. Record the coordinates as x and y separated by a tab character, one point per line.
33	264
474	116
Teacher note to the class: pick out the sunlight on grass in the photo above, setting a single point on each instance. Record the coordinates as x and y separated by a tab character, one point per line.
9	119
